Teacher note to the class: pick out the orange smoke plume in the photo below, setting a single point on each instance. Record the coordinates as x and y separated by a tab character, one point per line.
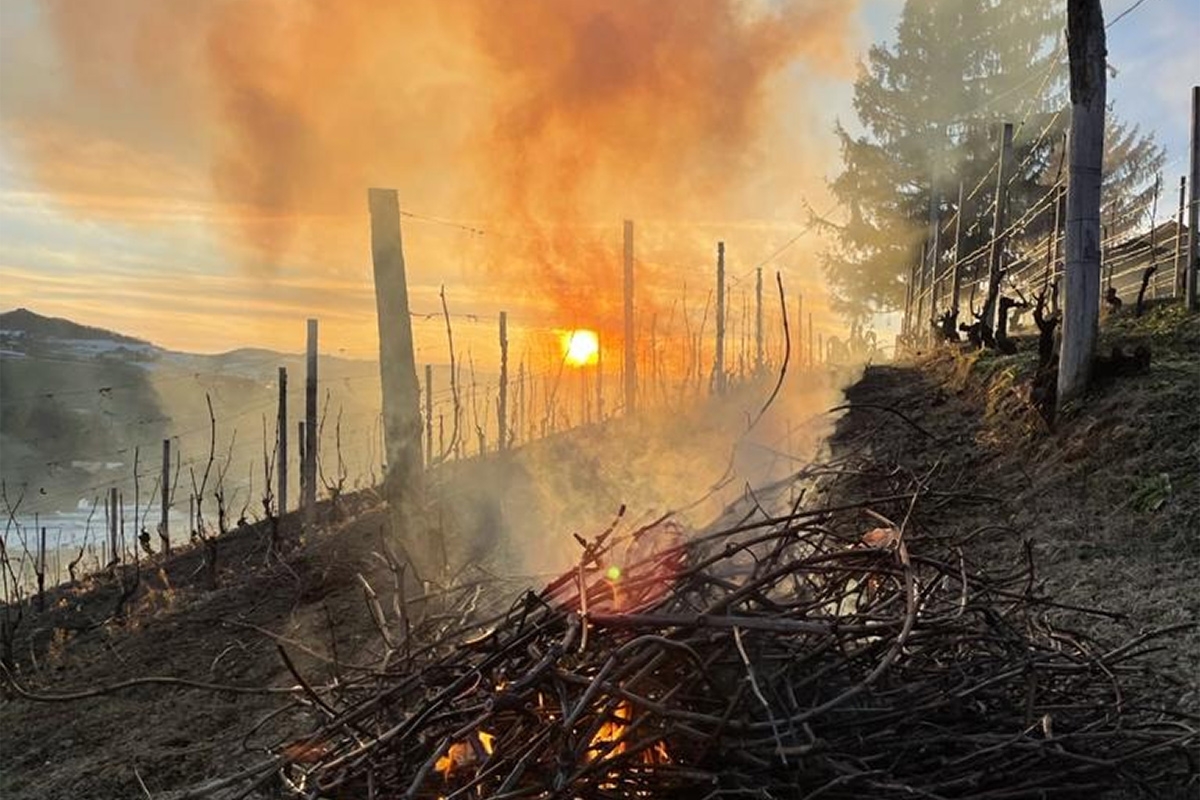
542	119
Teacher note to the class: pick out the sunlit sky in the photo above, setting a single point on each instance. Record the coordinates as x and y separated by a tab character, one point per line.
158	259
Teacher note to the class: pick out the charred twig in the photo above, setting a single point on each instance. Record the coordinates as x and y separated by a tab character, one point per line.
876	407
153	680
790	654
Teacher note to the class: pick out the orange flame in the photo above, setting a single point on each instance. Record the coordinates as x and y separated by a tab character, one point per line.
611	731
461	754
457	754
608	739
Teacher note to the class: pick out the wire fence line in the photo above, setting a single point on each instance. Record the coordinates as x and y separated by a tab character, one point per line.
459	413
1150	250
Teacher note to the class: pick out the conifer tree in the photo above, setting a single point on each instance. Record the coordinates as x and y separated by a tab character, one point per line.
929	109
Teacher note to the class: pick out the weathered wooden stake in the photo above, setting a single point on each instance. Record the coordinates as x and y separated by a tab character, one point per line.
1060	237
999	220
164	525
1193	259
397	361
502	401
310	423
1146	276
719	359
113	526
1081	311
41	572
1178	284
281	446
107	529
121	518
137	497
302	459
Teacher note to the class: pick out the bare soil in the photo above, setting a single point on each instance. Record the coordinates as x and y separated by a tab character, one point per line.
177	627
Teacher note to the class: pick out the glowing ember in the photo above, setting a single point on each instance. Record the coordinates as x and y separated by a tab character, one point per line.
581	347
657	754
306	753
613	573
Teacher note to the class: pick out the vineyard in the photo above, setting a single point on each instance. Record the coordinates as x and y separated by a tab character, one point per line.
610	467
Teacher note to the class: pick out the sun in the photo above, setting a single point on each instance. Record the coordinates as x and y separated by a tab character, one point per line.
581	347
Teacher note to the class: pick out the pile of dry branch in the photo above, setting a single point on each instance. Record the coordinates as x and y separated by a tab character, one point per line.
775	658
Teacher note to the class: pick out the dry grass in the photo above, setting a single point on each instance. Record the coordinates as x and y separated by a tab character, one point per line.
1110	499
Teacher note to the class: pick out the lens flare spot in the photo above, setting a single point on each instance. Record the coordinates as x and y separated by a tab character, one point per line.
613	573
581	347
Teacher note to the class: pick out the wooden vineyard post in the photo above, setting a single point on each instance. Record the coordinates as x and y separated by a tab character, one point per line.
935	248
956	278
1178	284
502	401
719	358
164	524
281	446
113	527
301	459
310	424
1193	251
41	571
397	360
1081	311
121	519
999	220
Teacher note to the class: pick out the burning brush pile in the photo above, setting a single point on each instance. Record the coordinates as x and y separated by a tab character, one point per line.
778	657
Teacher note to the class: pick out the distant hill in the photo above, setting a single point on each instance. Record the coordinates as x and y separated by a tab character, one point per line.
78	402
29	323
